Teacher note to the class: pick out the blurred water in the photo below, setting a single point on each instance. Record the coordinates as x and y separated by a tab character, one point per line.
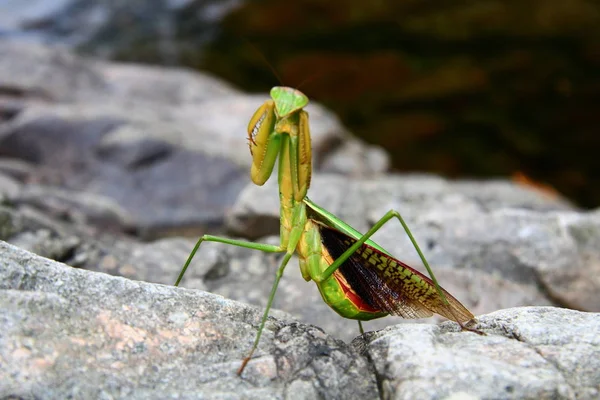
14	12
106	23
16	15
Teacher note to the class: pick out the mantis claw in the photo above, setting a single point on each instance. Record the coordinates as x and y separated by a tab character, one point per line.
243	366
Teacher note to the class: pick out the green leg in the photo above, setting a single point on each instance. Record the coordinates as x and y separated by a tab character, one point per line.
249	245
299	219
360	327
388	216
278	276
240	243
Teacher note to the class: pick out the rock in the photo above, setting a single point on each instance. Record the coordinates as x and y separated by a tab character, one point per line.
351	199
9	188
145	340
164	144
81	208
350	159
168	86
96	250
43	75
528	353
74	333
149	179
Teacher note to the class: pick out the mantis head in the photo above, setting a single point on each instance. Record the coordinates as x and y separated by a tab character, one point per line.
288	100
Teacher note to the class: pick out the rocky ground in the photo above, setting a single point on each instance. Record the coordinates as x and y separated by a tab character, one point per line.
115	168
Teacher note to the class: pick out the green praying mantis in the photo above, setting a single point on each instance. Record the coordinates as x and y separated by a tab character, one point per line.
356	277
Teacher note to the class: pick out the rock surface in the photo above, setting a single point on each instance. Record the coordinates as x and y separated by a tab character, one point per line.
139	141
528	353
69	333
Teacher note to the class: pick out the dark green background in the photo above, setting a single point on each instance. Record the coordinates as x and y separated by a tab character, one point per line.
460	88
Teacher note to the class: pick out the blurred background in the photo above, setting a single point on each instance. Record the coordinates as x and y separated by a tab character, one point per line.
459	88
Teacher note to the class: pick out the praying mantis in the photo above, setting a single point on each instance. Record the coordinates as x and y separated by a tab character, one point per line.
356	277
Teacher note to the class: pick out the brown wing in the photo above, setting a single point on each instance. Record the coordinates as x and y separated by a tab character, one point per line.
388	284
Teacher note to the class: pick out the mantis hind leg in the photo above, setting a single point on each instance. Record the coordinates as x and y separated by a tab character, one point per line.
239	243
249	245
382	221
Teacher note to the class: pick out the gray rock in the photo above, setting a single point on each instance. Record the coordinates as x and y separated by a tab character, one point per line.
70	333
87	247
79	334
134	84
42	74
165	144
79	207
502	194
363	201
351	158
51	74
9	188
150	180
528	353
